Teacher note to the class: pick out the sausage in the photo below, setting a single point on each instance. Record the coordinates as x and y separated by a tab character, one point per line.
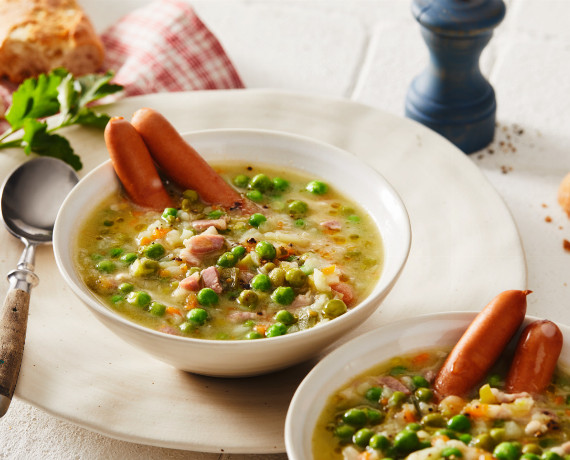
481	344
181	163
535	358
134	166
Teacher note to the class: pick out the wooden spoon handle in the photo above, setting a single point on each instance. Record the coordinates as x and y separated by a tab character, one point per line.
13	324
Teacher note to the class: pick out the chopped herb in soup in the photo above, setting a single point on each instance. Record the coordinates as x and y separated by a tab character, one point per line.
391	412
306	256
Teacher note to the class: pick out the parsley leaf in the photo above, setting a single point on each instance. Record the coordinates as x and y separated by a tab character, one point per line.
56	93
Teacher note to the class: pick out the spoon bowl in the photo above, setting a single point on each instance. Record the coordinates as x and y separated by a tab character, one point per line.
31	198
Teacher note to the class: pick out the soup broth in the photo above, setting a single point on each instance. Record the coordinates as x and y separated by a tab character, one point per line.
305	257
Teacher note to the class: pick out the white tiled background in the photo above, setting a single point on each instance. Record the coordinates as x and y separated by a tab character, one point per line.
369	51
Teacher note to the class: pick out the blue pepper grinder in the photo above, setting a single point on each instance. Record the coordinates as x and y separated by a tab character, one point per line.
451	96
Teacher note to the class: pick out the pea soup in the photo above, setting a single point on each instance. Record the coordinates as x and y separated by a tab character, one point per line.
391	412
306	256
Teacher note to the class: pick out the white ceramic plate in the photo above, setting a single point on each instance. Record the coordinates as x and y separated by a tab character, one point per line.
465	250
361	354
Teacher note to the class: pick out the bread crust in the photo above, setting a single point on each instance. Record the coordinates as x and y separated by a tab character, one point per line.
37	36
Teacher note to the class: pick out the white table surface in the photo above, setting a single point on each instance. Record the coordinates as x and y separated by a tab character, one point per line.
368	51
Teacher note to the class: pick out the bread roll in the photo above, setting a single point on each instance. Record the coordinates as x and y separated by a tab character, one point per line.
37	36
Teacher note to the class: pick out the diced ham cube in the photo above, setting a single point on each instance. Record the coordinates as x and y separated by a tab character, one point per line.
394	384
201	225
204	243
211	279
239	316
345	290
331	225
191	283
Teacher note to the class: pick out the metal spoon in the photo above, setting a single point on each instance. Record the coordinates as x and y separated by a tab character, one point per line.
31	198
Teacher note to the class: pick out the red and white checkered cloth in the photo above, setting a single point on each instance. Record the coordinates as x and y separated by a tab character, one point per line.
166	47
162	46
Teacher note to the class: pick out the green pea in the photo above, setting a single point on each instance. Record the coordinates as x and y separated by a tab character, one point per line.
261	282
299	223
241	180
379	442
106	266
374	416
495	380
285	317
498	434
396	399
283	295
215	214
255	195
549	456
157	309
255	220
276	329
446	432
252	335
249	323
169	214
227	260
116	252
424	394
154	251
483	441
532	448
459	423
508	451
353	218
261	182
451	452
362	437
187	327
344	432
126	287
406	441
207	297
129	258
465	438
354	417
191	195
139	298
265	250
433	420
317	187
373	394
277	277
297	208
296	277
97	257
398	370
420	382
280	184
413	426
529	456
334	308
247	298
117	298
238	251
197	316
144	267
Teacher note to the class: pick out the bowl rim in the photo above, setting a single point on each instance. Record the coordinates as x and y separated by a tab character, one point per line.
331	365
92	303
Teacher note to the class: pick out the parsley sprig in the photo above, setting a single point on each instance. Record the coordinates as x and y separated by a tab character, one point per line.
66	100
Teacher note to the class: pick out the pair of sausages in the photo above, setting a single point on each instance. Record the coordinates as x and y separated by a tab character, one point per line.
483	342
135	147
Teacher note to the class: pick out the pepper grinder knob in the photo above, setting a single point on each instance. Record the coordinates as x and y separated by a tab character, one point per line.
451	96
